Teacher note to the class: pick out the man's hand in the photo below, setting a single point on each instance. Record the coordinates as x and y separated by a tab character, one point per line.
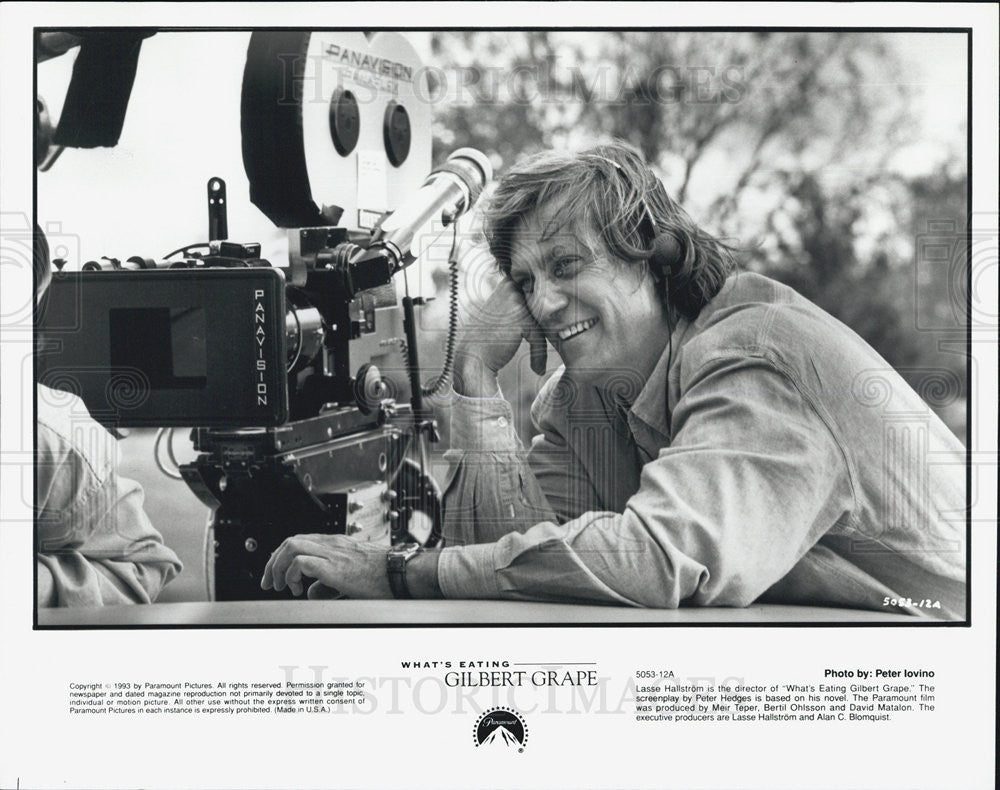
355	569
491	338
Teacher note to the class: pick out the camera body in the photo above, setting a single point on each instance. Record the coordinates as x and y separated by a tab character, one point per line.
299	378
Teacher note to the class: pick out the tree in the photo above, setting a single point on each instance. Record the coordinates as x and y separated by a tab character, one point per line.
781	142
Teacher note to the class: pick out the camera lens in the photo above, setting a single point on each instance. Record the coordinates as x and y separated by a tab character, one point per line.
396	133
345	121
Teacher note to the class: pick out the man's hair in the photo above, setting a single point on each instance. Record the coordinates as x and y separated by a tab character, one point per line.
611	189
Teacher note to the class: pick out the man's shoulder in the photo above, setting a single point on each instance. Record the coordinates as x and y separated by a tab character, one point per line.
67	433
754	299
754	314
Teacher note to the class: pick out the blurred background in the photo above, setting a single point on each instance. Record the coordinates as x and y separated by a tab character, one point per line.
835	161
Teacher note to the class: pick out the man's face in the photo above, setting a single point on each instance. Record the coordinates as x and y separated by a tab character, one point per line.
602	315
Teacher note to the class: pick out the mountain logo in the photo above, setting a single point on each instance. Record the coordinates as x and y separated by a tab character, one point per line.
500	729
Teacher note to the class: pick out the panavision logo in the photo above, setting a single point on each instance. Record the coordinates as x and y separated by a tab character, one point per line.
501	729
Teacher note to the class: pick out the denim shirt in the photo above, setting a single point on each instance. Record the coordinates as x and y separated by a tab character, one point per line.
772	455
94	541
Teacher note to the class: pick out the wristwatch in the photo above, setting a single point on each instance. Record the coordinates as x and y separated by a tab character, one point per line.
396	560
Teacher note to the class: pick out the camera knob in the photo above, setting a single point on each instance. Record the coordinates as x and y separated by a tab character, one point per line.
368	388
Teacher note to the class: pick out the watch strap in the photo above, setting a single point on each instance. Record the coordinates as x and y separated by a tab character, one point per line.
396	561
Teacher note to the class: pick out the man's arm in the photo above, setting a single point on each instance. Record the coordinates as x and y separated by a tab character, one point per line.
491	489
118	558
753	479
96	545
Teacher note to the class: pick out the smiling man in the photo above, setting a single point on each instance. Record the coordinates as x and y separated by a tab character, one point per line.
711	438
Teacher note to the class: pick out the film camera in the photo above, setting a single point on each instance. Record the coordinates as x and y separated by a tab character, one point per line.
303	379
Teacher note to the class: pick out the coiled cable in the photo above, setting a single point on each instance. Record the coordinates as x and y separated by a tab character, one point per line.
441	383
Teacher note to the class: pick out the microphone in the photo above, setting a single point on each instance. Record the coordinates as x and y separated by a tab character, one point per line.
446	194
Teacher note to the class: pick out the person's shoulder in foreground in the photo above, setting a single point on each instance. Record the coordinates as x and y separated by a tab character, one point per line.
95	544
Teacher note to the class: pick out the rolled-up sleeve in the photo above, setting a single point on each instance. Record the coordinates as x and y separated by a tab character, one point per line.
490	490
753	477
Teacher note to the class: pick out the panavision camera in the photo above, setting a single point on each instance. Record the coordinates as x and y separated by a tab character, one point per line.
303	378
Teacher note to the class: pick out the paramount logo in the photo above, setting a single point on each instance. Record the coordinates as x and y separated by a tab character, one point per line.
501	736
502	728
